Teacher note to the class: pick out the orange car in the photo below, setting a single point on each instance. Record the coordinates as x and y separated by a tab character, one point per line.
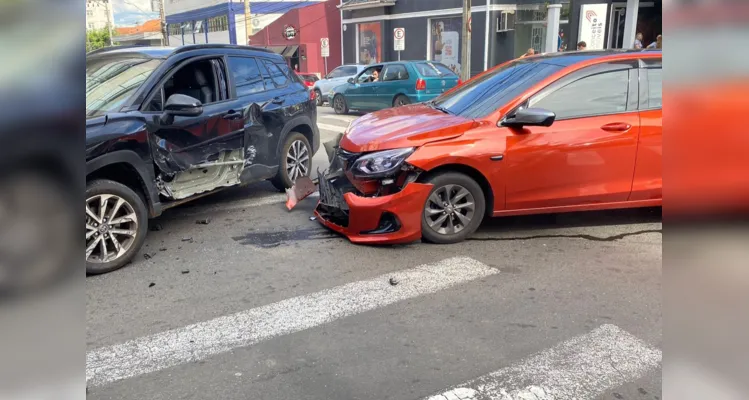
562	132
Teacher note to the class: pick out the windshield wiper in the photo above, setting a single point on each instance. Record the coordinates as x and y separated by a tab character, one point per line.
434	105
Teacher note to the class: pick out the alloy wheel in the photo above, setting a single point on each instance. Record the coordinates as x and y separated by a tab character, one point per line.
338	103
449	209
297	160
111	228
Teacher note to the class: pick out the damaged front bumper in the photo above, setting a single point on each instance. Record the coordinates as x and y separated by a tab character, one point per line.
384	219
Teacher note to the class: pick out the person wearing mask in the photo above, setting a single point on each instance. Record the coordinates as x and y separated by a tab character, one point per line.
638	41
658	44
581	45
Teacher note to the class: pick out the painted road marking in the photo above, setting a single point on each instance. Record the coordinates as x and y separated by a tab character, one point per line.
333	128
580	368
204	339
341	118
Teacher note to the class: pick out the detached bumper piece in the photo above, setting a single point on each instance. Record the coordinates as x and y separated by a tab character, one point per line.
386	219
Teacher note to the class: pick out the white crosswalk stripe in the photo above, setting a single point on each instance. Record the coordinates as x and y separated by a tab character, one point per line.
204	339
581	368
334	128
342	118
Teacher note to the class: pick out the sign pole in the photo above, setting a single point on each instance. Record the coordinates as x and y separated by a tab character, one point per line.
399	55
325	60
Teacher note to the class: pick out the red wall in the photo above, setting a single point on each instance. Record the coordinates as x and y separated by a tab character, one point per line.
313	22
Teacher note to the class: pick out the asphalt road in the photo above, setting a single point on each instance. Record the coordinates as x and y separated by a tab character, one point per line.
263	303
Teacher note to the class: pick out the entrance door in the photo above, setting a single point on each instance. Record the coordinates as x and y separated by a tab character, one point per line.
616	28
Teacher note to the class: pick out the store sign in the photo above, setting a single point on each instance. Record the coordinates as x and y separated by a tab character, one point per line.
289	32
325	47
399	39
593	25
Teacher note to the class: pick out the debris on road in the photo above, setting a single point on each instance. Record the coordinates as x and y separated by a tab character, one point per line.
203	221
393	281
187	239
162	249
312	218
147	256
151	284
303	187
156	227
185	271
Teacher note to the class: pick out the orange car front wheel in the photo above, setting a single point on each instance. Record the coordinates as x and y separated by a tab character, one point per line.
454	209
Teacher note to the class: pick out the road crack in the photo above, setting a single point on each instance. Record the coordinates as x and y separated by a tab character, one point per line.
578	236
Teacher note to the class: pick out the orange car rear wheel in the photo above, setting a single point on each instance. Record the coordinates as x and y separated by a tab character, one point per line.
454	209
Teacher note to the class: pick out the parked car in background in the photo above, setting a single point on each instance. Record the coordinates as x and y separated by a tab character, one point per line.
572	131
308	79
336	77
167	125
393	84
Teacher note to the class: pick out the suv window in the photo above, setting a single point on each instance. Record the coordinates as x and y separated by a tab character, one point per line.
599	94
655	87
395	72
348	70
276	75
247	78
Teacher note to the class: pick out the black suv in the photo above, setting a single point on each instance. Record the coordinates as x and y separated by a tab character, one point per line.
167	125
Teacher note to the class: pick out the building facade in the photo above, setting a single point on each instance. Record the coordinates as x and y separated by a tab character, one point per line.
98	14
501	30
221	21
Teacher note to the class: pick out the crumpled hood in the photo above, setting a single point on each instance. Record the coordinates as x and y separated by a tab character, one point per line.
409	126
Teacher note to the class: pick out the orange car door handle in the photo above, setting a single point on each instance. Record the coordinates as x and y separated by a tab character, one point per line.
497	157
616	127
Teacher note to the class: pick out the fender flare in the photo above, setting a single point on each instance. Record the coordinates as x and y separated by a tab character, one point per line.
145	173
291	125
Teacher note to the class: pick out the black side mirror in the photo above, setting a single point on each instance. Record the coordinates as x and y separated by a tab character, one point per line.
351	80
529	117
180	105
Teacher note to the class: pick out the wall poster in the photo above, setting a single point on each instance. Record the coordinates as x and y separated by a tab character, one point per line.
370	43
445	41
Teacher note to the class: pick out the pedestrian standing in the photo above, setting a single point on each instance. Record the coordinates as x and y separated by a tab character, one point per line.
638	40
581	45
560	39
658	44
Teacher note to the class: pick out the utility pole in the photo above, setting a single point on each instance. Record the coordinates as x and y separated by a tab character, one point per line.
465	59
247	21
164	30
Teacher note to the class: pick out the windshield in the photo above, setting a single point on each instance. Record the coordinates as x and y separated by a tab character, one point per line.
430	70
111	81
484	95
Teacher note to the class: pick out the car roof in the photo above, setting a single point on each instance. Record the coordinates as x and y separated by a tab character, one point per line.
567	58
167	51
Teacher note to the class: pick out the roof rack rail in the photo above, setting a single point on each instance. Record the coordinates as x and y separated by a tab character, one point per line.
189	47
108	48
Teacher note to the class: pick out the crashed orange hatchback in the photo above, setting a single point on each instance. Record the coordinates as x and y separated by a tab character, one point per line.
553	133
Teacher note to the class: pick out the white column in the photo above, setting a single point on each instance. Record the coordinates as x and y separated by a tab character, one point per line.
552	27
630	24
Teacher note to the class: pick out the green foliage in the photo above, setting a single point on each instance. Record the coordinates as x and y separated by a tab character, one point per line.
97	38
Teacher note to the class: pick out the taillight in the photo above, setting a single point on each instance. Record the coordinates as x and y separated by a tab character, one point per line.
312	95
460	82
421	84
309	84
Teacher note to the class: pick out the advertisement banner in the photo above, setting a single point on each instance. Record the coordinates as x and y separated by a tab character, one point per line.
593	25
445	41
370	43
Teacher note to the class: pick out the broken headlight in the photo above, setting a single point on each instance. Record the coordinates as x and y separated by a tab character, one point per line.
381	164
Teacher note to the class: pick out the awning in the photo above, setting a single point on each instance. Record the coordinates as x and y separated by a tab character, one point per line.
360	4
286	51
276	49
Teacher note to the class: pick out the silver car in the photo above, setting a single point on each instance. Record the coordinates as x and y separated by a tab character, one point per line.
336	77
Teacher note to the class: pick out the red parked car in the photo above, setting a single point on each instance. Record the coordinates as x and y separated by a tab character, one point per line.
552	133
308	79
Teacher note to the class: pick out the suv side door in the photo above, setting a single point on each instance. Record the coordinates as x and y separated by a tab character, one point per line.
648	177
184	142
587	156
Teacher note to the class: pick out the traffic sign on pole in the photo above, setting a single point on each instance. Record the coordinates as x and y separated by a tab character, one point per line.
325	47
399	40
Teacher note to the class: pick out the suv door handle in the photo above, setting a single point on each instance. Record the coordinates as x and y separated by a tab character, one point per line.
616	127
277	100
232	114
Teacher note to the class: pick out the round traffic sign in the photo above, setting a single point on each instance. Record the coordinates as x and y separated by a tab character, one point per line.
324	42
399	33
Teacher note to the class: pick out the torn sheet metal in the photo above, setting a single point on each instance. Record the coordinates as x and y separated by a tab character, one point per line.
305	186
224	171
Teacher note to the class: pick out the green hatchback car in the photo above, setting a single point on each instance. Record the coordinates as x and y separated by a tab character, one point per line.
393	84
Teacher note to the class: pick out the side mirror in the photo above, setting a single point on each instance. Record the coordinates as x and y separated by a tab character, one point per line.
180	105
351	80
529	117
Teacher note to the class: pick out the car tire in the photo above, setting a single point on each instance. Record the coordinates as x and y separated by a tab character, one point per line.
458	194
339	104
318	98
296	146
129	235
401	100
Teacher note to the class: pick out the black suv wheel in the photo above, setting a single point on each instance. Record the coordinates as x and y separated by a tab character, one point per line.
296	161
116	225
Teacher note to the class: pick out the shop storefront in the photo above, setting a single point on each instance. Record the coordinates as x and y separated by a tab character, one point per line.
501	29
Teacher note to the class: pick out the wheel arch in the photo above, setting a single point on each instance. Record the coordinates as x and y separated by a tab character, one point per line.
303	125
127	168
471	172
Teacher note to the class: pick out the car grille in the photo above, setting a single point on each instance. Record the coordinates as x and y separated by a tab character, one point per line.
332	206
